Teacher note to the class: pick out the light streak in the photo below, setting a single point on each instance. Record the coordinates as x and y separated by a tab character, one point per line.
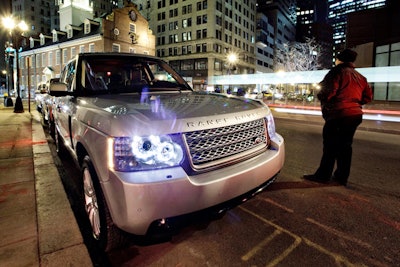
367	116
375	74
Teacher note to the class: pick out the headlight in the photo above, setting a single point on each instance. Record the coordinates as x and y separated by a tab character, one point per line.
271	125
143	153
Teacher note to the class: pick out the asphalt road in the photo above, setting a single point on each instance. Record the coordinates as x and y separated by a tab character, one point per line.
294	222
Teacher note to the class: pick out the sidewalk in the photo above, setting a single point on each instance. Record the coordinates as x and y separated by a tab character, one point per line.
38	227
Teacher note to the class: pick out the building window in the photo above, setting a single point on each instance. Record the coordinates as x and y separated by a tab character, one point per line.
58	57
87	28
82	49
161	4
65	56
132	27
116	48
198	48
187	65
69	33
91	48
37	61
161	28
33	61
43	59
205	4
161	40
217	65
173	13
50	58
201	64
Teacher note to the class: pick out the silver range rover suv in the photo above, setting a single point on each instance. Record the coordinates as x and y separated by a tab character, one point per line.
150	148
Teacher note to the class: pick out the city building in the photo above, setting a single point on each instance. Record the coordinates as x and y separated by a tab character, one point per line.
375	35
204	38
281	16
337	17
312	23
265	44
122	30
40	16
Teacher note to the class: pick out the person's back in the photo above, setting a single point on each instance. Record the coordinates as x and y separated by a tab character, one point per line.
344	90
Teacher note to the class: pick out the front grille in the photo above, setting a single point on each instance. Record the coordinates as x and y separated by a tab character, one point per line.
221	143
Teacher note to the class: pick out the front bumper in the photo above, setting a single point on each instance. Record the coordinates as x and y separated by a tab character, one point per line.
135	205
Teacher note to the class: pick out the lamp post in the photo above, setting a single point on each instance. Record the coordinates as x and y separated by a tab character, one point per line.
12	26
8	102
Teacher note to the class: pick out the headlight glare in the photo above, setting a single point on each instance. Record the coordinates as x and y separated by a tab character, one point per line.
271	126
145	153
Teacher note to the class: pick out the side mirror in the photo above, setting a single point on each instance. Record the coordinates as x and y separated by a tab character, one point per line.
59	89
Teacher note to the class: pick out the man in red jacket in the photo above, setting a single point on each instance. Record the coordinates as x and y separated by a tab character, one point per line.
343	92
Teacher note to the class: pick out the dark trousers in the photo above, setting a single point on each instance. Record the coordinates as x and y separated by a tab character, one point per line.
337	140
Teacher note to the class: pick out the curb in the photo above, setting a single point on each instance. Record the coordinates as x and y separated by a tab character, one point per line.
60	242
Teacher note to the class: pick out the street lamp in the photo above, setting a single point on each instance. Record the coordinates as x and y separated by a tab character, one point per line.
20	27
8	49
231	58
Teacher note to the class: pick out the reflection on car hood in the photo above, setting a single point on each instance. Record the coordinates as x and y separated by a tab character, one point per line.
185	111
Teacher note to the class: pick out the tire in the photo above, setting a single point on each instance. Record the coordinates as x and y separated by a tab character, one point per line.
43	120
59	144
51	127
105	235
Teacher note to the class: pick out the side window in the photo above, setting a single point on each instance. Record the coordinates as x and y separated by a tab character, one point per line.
70	74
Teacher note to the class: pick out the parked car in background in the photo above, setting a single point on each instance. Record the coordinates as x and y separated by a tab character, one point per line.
151	149
44	104
40	92
255	95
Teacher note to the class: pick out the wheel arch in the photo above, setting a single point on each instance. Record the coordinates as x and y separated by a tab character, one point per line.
81	152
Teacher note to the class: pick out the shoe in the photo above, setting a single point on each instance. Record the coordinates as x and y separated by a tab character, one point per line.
339	181
313	178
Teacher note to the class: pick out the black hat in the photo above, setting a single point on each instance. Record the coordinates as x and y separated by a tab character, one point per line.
347	55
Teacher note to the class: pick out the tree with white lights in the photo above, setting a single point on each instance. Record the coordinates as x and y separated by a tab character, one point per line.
297	56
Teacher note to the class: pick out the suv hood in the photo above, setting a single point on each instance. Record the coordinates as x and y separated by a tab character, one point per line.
167	112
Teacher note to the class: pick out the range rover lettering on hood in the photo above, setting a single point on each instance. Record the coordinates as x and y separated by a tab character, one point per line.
193	124
237	118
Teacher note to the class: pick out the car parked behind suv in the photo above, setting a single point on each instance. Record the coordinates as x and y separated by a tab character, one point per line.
151	149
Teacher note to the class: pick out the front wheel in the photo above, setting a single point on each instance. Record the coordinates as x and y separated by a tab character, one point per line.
103	231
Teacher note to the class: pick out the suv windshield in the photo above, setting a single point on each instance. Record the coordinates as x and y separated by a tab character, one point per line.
109	75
